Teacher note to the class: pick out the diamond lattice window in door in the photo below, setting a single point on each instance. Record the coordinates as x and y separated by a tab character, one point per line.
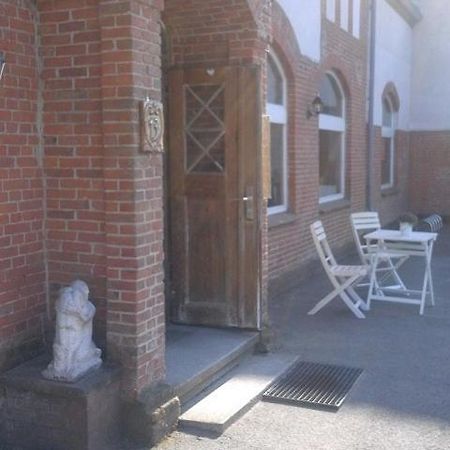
204	128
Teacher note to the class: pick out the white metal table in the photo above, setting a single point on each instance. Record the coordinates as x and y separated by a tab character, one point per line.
394	242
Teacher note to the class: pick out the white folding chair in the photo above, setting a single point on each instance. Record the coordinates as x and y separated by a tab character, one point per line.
363	223
343	278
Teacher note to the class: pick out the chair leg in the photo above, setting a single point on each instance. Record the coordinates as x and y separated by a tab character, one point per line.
353	307
339	289
373	281
391	273
394	268
327	299
424	293
359	302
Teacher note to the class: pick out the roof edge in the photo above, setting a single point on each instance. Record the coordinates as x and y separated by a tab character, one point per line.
408	10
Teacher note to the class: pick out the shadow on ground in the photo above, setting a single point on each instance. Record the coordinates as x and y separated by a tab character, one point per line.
402	400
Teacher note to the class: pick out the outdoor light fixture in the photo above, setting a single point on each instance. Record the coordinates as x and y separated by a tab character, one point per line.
315	108
2	64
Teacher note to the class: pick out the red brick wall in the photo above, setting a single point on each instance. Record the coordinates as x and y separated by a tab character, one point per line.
347	56
103	196
214	32
392	202
290	243
71	164
104	214
133	192
429	172
73	145
22	255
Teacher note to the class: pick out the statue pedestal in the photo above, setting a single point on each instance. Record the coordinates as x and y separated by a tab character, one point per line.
40	414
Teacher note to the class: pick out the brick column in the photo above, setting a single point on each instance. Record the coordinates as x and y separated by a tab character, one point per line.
130	52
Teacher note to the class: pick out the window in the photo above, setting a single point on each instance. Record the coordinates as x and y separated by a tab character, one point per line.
388	150
277	110
331	140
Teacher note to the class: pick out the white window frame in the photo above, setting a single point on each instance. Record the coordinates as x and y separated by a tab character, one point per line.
328	122
331	10
389	133
278	114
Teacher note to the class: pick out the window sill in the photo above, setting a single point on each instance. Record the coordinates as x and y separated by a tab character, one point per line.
283	218
333	206
386	192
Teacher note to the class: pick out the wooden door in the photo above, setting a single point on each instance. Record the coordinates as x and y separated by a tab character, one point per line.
214	130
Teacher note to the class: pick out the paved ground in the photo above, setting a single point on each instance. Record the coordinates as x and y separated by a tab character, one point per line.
402	400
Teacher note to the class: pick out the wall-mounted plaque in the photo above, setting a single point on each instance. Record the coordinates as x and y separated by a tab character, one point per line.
152	126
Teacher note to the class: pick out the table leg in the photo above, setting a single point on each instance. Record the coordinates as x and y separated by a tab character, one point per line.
431	287
424	290
430	278
373	280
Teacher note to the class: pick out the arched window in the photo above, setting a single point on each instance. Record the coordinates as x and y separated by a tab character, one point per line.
277	111
331	140
388	135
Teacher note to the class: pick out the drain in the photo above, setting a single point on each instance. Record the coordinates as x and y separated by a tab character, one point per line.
313	384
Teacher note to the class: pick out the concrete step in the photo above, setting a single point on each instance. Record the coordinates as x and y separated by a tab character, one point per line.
243	388
197	357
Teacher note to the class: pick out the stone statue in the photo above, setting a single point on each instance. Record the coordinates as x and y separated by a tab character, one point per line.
74	352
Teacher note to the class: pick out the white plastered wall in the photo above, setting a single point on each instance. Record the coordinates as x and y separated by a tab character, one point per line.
304	16
393	61
430	89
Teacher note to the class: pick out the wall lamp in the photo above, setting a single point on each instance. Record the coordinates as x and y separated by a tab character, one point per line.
2	64
315	108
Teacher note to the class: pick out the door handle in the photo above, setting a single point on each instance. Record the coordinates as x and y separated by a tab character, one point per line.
249	206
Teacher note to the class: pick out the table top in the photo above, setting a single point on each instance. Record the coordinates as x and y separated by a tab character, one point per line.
396	235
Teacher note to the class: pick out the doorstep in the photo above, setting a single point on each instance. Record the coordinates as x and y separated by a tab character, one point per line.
197	356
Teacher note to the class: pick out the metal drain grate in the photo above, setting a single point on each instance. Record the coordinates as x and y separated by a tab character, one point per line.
313	384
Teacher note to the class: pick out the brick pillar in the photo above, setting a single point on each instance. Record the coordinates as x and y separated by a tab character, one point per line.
130	49
130	52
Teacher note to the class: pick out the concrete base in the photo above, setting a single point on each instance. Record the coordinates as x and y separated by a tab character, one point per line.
152	416
42	414
218	410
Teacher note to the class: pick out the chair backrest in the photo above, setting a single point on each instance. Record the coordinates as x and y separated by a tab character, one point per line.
322	247
363	223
